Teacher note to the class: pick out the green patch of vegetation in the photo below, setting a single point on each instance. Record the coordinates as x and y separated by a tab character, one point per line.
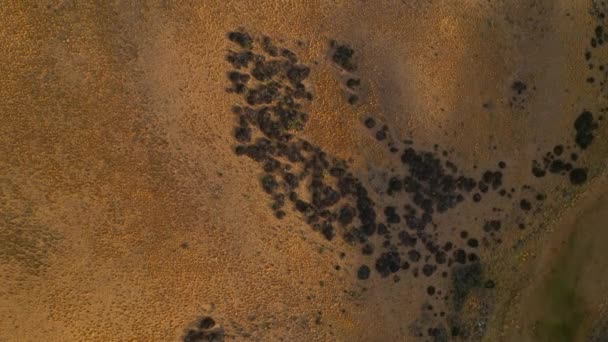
564	307
564	313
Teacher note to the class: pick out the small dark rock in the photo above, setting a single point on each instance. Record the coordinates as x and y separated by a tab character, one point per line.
206	323
363	272
477	197
352	82
428	269
369	122
538	172
584	126
524	204
388	263
241	38
413	255
343	57
519	87
578	176
558	150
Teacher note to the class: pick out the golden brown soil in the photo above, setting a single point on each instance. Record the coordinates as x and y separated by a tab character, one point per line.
125	215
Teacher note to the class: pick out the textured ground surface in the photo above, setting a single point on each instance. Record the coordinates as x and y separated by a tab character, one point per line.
125	214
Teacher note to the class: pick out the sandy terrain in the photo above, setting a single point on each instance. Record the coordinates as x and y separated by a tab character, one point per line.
125	215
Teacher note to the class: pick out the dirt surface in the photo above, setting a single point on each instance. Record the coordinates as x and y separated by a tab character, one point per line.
137	202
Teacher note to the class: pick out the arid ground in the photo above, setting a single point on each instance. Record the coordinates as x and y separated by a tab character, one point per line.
128	212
